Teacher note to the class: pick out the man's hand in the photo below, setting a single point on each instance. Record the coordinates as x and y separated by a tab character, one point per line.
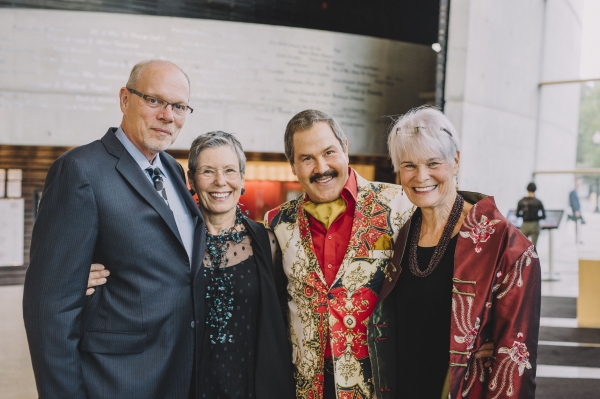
486	351
97	277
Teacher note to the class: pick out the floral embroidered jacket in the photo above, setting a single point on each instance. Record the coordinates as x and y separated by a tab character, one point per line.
495	297
340	312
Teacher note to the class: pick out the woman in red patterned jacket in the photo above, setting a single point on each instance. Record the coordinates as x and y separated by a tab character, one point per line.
466	276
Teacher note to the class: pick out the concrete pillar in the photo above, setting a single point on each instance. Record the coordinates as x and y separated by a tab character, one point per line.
498	53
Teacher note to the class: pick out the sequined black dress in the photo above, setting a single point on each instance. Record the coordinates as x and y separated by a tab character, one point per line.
226	370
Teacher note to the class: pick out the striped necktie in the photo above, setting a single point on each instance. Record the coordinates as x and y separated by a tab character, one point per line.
156	176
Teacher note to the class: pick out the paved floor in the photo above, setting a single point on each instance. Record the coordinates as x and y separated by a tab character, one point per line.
569	357
16	375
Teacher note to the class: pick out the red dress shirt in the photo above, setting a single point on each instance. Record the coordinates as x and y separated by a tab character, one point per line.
331	244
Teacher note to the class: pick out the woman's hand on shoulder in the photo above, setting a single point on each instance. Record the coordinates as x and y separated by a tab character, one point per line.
98	275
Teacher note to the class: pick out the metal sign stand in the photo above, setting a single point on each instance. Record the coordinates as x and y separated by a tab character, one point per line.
552	221
551	276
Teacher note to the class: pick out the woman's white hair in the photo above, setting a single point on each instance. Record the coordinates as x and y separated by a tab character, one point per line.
422	133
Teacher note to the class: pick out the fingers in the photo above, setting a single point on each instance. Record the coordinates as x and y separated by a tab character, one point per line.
97	278
480	354
98	275
484	354
486	350
96	282
96	267
102	274
89	291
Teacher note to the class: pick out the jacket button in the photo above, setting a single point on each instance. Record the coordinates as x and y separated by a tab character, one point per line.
330	295
193	324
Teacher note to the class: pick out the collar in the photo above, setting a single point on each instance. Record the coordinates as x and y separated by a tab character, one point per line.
135	153
350	190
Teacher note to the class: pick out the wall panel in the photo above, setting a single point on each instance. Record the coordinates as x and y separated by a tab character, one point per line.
61	71
35	162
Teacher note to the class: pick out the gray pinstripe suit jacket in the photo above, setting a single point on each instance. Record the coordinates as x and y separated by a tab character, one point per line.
134	338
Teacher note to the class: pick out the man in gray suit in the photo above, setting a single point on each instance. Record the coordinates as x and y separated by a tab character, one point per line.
120	201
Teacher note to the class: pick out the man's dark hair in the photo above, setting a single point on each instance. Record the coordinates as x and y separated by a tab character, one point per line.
531	187
304	121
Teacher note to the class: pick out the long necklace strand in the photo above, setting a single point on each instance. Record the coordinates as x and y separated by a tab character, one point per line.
220	288
440	249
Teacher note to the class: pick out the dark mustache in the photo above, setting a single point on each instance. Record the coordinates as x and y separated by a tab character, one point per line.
329	173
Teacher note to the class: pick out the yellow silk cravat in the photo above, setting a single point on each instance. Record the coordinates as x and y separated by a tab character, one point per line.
326	212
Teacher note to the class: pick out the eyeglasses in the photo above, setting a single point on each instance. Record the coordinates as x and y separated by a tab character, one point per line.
154	102
442	129
211	173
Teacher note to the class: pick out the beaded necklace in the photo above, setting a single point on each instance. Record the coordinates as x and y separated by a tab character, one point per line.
220	287
440	249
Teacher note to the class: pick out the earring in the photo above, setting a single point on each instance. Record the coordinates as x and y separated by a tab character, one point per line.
401	190
243	190
456	175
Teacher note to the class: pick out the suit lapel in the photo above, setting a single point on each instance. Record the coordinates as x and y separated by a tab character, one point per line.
179	184
132	172
199	247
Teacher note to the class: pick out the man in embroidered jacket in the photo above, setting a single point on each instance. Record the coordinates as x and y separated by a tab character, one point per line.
336	242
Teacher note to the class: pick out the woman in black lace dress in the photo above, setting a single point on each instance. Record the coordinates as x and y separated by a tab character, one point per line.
244	352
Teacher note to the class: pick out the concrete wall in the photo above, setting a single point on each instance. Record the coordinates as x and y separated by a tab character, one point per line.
498	53
61	71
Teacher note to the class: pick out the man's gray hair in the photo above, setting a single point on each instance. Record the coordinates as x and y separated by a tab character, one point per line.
213	140
304	121
134	76
422	133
